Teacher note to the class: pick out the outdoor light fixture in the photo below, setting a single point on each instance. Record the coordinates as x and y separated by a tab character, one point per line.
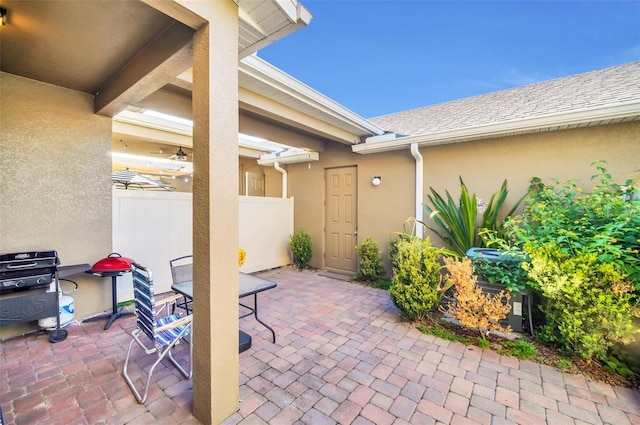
376	181
3	16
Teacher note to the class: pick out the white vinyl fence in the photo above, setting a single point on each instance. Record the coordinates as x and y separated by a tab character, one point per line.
155	227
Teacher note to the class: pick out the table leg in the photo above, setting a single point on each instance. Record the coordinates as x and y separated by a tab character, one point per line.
116	311
255	313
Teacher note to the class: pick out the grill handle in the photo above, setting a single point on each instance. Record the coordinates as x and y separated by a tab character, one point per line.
21	266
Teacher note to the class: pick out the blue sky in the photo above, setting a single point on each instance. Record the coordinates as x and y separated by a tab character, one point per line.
381	57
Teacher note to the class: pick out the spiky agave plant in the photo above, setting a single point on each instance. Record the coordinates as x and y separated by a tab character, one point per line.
457	224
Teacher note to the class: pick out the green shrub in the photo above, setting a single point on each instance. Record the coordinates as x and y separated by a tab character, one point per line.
587	303
584	259
371	268
415	285
300	244
457	225
506	272
602	221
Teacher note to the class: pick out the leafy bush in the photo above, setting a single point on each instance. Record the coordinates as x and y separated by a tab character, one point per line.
371	268
457	225
472	307
603	221
508	273
415	285
583	249
300	244
586	304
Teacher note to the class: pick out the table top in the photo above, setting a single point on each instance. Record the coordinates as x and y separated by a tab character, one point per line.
247	285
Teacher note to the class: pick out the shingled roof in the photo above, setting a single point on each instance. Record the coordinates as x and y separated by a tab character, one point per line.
606	87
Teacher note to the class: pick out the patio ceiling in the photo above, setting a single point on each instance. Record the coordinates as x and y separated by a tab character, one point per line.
129	55
90	46
136	58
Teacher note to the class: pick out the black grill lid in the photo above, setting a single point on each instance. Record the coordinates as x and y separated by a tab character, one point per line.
27	260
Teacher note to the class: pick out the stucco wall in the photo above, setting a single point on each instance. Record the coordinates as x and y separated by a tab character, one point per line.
55	182
483	165
566	154
381	210
561	154
272	177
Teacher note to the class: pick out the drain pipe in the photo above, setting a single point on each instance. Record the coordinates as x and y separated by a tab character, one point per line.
419	189
276	165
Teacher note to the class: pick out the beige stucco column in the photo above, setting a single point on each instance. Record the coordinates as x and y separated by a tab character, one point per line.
215	212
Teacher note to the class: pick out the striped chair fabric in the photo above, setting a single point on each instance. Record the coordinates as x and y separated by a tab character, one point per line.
146	312
165	333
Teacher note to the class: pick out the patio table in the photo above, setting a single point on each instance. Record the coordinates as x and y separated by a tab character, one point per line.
247	285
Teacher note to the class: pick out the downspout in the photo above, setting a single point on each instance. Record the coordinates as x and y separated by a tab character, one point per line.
276	165
415	151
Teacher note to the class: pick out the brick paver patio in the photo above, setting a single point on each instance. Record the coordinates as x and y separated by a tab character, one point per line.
341	357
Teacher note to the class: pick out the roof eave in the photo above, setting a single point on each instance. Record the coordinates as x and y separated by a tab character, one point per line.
297	15
259	69
571	119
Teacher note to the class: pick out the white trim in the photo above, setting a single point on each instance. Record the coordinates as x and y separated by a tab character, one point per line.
562	119
140	119
294	12
291	8
260	70
291	158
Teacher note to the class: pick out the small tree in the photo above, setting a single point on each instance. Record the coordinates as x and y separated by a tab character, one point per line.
301	248
472	307
371	267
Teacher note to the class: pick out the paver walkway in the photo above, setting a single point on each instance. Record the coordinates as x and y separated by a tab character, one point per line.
341	357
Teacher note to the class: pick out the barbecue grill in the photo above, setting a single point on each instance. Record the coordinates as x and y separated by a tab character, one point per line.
29	289
112	266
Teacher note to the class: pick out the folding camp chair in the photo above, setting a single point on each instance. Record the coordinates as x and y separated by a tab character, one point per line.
155	334
182	271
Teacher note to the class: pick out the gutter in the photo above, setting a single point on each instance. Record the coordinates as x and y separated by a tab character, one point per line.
550	122
288	158
419	189
284	178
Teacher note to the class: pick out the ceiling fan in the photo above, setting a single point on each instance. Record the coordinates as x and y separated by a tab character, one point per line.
180	155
